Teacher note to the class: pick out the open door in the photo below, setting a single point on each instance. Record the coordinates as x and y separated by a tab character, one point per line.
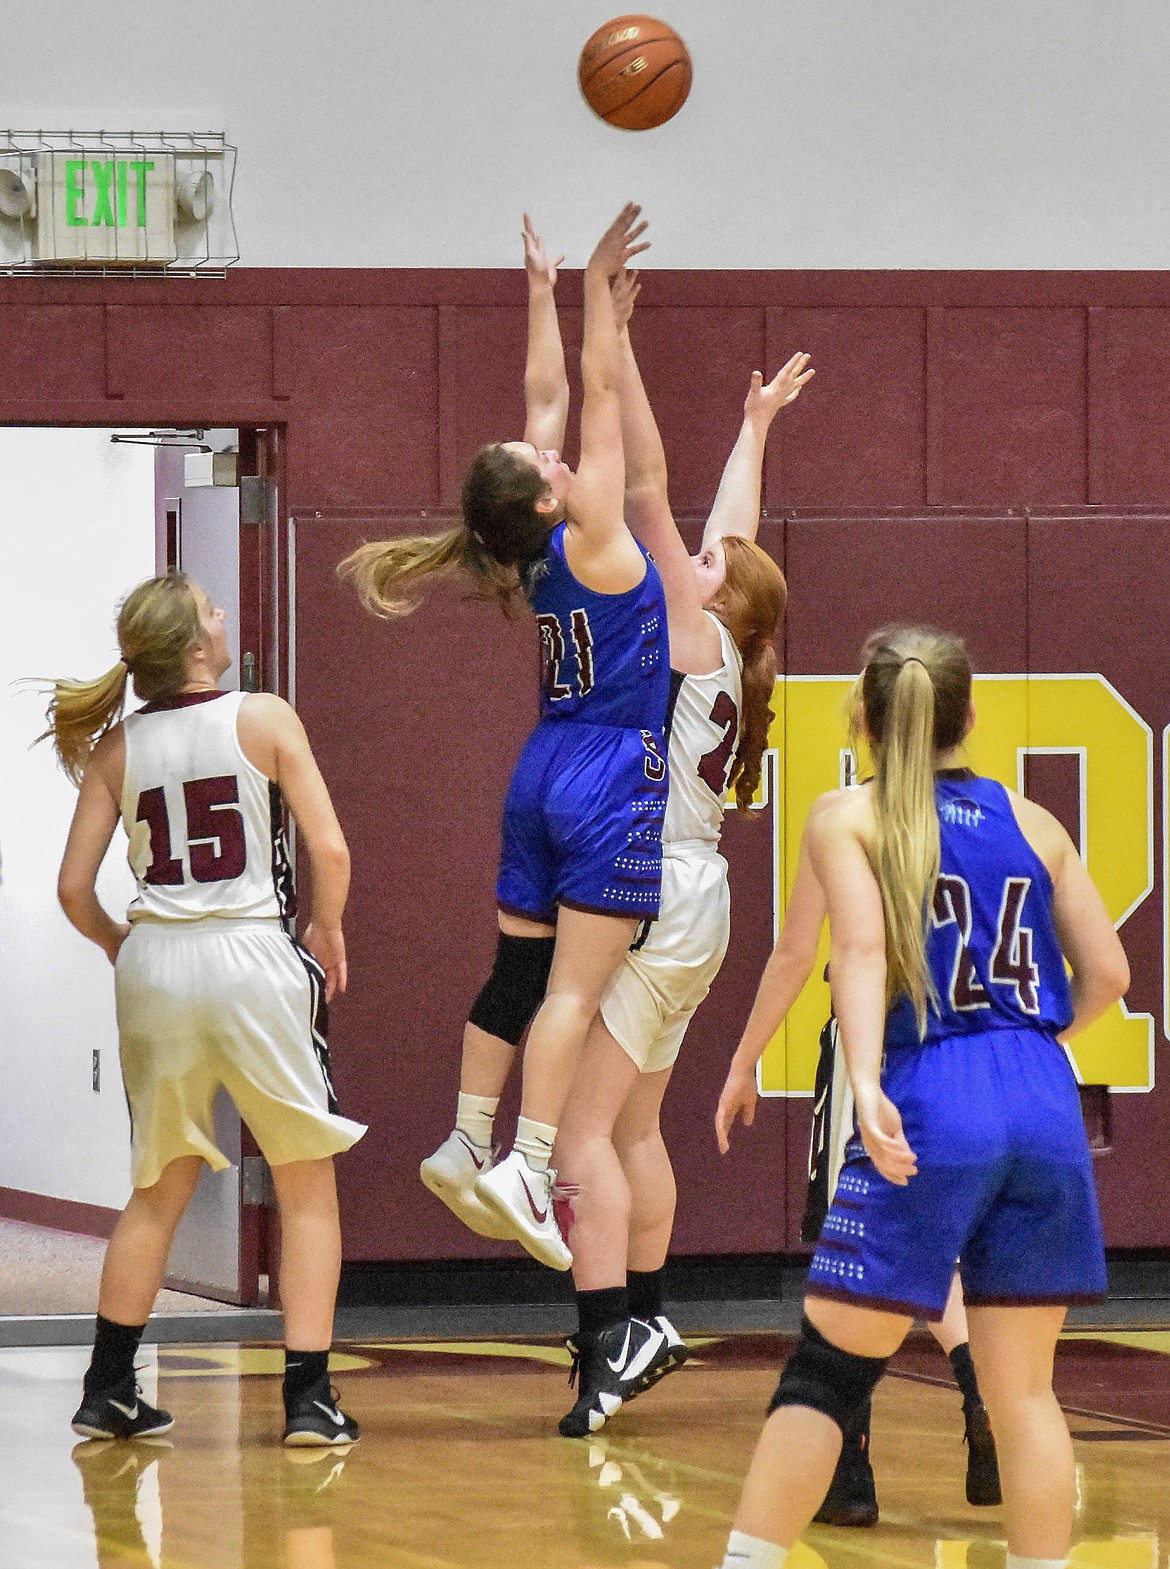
224	534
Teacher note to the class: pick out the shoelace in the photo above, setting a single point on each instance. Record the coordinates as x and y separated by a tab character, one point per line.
562	1195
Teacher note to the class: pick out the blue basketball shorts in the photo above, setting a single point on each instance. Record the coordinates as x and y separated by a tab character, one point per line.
583	823
1004	1186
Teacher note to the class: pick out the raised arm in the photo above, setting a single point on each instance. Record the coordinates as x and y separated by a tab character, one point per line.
601	549
737	503
694	639
785	974
546	386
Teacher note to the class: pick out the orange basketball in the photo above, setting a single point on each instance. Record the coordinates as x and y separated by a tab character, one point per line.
635	73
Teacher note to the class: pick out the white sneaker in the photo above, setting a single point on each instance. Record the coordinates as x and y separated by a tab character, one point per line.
451	1173
523	1199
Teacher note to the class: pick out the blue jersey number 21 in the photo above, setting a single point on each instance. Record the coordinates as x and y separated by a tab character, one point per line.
554	646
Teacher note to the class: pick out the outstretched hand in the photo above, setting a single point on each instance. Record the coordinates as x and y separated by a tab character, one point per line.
619	242
623	291
739	1099
880	1124
536	258
764	402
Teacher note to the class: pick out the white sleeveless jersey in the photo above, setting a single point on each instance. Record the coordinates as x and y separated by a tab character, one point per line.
704	731
205	826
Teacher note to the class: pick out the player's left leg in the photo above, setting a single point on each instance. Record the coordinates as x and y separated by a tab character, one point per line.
953	1336
310	1267
589	949
132	1274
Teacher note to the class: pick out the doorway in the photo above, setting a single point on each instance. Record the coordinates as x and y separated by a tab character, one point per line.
86	514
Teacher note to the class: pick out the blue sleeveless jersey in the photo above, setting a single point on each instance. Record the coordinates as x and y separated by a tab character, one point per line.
605	657
991	944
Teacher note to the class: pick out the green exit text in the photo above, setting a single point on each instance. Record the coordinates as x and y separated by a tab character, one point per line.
110	184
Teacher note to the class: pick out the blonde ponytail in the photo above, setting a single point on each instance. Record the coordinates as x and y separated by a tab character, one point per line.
907	843
382	570
80	713
158	626
915	692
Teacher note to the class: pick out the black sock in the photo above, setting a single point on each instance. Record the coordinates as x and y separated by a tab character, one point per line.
598	1310
645	1288
114	1348
303	1369
964	1370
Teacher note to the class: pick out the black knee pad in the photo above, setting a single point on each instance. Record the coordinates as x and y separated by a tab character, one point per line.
515	989
824	1378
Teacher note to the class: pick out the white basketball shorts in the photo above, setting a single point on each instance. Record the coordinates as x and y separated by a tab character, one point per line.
650	1000
224	1002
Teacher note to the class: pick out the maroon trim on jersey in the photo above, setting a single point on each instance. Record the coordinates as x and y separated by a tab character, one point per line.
160	705
1061	1299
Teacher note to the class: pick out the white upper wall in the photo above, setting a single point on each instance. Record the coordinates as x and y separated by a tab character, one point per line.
831	133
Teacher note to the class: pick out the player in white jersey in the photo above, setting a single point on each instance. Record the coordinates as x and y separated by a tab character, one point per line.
211	987
723	607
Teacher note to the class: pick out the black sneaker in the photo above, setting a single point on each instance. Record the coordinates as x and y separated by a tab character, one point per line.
852	1497
120	1412
315	1418
982	1463
607	1369
669	1356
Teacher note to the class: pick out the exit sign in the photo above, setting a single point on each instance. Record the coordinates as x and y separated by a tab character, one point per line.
97	206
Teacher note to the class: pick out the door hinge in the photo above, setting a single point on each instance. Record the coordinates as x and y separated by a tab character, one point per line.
254	493
255	1181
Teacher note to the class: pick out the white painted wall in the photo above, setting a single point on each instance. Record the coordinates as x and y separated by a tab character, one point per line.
76	533
819	133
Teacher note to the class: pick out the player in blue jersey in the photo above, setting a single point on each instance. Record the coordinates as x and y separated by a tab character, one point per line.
581	859
953	905
724	605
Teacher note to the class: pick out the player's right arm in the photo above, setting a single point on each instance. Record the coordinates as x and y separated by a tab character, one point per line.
546	385
839	842
784	978
274	740
94	819
1088	940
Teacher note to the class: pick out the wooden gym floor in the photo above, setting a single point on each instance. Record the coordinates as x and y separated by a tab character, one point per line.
460	1463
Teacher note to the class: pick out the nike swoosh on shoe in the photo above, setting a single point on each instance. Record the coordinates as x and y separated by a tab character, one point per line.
470	1148
622	1354
539	1215
129	1412
335	1416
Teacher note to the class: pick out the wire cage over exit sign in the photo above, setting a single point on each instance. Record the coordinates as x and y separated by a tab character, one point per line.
111	203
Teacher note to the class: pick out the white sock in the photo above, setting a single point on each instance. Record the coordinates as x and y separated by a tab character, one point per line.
476	1117
1014	1561
752	1552
535	1142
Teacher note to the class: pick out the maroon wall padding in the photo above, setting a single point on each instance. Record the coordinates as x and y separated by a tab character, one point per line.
946	405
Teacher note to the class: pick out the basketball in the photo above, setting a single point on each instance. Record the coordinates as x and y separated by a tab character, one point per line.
635	72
